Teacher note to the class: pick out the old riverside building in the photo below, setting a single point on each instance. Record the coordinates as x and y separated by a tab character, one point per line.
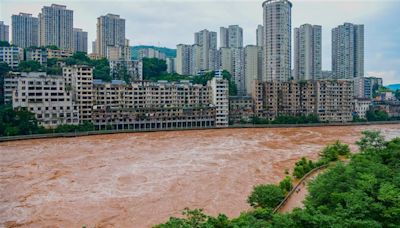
330	100
75	97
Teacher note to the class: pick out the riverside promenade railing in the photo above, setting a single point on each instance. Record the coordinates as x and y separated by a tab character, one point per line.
238	126
302	180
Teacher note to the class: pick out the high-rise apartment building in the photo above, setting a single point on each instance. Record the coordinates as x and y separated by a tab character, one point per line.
223	37
56	27
189	59
183	57
110	32
253	66
25	30
260	35
4	32
226	59
277	39
238	67
80	40
231	37
171	65
207	40
307	52
233	61
348	51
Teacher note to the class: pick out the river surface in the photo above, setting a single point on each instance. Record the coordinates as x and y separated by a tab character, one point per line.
141	179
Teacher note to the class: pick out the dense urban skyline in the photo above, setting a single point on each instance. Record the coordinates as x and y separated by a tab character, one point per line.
152	25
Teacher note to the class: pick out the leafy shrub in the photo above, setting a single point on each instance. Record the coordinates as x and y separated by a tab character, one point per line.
286	184
302	167
333	151
266	196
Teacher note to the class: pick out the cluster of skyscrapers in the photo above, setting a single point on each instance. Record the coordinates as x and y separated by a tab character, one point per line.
271	58
53	26
267	84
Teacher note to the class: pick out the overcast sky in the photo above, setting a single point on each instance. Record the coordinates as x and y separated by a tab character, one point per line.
170	22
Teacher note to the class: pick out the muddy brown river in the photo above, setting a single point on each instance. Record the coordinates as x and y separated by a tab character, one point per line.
141	179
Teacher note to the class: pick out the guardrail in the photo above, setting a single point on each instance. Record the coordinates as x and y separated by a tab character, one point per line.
101	132
284	201
313	124
97	132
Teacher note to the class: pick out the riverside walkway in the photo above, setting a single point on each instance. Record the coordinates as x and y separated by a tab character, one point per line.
298	194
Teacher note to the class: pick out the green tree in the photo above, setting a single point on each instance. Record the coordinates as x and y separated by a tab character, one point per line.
4	69
153	67
286	184
4	44
371	140
232	85
29	66
302	167
377	115
266	196
17	122
333	151
52	68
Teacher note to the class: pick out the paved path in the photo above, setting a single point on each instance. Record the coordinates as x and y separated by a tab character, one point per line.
299	195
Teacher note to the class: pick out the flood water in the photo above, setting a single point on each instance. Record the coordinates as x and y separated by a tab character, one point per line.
141	179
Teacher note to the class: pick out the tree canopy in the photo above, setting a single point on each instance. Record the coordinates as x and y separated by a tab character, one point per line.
29	66
153	67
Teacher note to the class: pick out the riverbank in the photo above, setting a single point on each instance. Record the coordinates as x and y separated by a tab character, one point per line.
103	132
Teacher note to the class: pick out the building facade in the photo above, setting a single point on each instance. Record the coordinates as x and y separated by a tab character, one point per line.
46	97
25	30
37	54
277	51
151	53
56	26
331	101
119	53
253	66
11	55
260	36
231	37
240	109
58	53
4	32
220	99
131	70
171	65
364	87
307	52
80	40
152	105
110	32
207	40
189	59
79	81
348	51
361	106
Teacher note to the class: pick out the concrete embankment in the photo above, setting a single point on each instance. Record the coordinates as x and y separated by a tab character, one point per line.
102	132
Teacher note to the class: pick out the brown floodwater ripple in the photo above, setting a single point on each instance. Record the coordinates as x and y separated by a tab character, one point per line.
141	179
